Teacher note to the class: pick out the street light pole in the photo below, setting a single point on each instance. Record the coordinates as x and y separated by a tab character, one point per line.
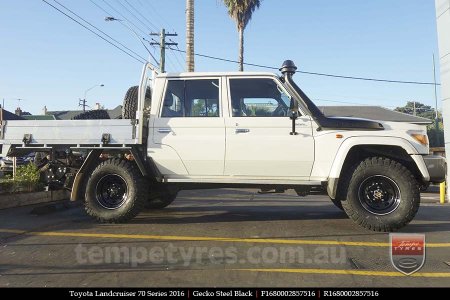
82	102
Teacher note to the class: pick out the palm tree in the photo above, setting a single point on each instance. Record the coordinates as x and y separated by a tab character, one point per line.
241	12
190	35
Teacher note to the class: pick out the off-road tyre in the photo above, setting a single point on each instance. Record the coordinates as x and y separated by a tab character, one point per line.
115	191
130	103
382	194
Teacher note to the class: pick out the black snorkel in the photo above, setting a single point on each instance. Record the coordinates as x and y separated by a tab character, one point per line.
288	70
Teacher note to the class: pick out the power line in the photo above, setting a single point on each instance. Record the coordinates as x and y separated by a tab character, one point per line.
125	18
172	63
134	16
152	9
315	73
84	20
166	25
213	57
176	58
176	54
369	79
92	31
148	21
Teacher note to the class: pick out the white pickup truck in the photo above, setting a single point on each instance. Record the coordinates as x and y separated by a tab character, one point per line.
209	130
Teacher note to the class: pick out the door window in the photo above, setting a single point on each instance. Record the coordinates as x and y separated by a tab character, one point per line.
191	98
258	97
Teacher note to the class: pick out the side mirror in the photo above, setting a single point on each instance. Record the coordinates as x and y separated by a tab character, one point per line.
294	115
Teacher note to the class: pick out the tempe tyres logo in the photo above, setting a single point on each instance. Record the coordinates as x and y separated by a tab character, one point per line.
407	252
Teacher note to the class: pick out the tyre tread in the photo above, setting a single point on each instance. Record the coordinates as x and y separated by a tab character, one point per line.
390	166
138	183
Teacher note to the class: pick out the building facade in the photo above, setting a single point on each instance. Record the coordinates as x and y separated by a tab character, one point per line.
443	27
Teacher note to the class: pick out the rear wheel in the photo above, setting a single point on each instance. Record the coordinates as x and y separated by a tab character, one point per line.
115	192
382	195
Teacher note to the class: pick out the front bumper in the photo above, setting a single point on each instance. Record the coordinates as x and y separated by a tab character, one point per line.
437	167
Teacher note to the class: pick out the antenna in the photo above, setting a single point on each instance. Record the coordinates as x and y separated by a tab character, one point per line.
18	101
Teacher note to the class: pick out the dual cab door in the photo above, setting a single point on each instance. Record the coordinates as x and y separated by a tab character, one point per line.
231	127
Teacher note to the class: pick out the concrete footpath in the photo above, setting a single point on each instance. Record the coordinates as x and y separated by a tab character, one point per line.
22	199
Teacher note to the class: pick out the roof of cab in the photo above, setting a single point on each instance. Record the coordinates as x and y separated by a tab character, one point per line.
215	74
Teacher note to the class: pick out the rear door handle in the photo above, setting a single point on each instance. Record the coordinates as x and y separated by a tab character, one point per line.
242	130
164	130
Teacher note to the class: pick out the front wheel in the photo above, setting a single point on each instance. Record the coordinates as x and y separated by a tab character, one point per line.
115	192
382	195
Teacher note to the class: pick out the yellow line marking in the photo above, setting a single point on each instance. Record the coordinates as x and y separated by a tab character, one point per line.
205	238
346	272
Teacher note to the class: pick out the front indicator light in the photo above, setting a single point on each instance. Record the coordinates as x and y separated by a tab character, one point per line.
421	138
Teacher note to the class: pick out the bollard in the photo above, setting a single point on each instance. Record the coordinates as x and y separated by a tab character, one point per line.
442	192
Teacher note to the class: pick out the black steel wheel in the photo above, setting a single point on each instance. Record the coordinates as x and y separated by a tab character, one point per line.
111	191
382	194
115	191
379	195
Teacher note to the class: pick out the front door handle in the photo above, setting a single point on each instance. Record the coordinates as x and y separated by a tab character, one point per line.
242	130
164	130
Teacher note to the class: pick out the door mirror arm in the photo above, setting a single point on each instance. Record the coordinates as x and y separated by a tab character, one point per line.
294	115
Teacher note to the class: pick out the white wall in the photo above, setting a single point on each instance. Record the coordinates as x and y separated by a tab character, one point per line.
443	26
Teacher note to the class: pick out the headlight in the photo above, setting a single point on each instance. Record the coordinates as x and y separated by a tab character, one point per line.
420	137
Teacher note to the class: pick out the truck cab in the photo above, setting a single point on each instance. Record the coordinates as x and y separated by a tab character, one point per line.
228	128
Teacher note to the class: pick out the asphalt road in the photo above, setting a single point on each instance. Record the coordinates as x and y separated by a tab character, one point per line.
215	238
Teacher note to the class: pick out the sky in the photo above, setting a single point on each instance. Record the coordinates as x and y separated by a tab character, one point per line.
49	60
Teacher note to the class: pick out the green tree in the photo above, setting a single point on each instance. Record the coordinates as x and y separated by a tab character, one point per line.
426	111
241	12
422	110
205	107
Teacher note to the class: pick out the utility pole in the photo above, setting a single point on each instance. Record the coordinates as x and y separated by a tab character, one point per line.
414	105
82	102
163	44
190	35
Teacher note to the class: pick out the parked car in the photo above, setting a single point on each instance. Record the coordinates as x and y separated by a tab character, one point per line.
6	163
